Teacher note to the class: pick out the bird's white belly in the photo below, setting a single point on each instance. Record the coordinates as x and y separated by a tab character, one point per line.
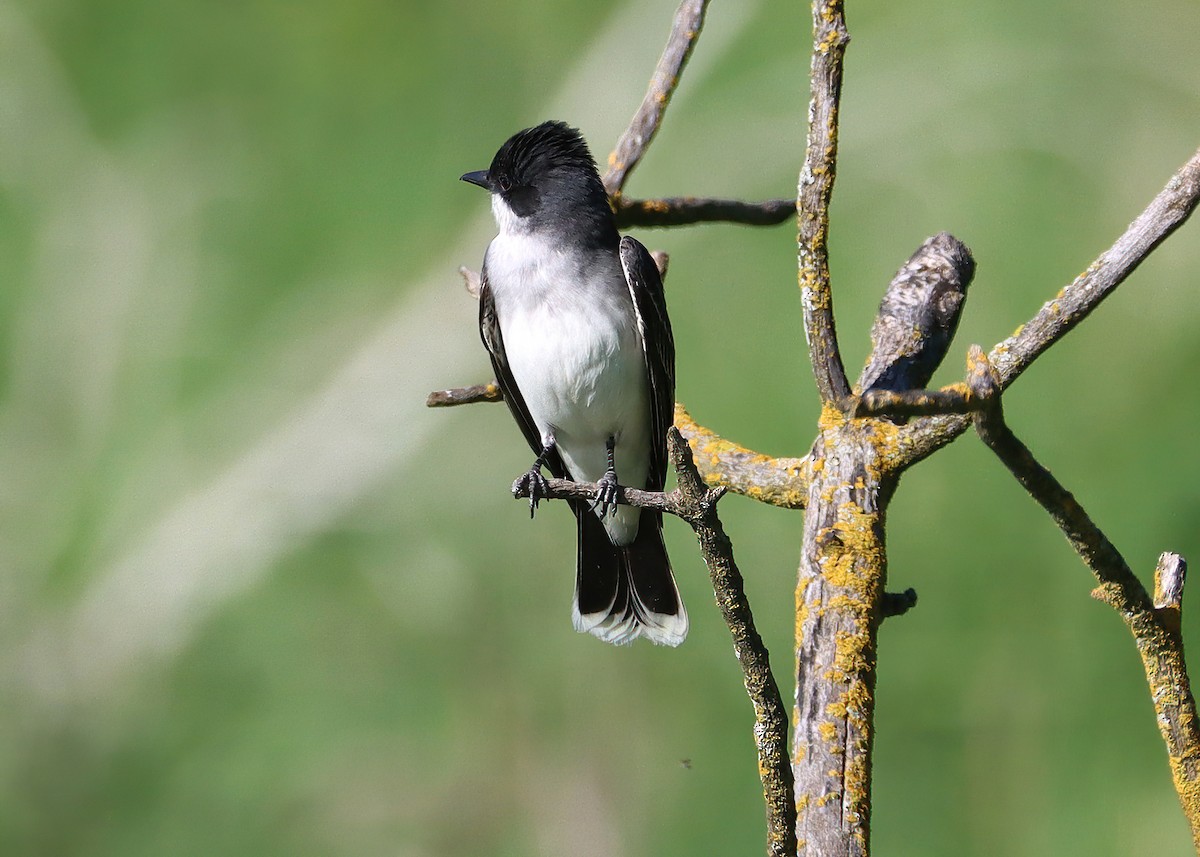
577	360
575	372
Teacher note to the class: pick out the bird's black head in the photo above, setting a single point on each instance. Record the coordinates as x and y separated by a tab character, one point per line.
546	178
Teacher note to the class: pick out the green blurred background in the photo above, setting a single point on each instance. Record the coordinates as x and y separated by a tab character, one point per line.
256	599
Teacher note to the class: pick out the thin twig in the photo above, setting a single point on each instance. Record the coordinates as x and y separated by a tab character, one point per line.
685	29
685	210
1057	317
1097	552
813	193
671	502
1154	623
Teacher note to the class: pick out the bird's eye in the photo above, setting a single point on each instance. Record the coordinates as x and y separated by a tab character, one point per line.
505	182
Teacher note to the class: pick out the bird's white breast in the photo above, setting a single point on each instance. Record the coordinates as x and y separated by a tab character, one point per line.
572	344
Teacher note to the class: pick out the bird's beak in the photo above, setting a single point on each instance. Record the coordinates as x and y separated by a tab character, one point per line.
479	177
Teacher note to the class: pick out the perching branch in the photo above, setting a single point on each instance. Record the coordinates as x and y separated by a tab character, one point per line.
812	199
722	463
696	503
1153	622
770	714
632	145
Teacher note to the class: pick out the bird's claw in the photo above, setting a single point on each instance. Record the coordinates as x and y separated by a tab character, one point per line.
606	495
534	484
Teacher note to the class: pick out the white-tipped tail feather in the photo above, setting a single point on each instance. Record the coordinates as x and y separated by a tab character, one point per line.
621	625
626	592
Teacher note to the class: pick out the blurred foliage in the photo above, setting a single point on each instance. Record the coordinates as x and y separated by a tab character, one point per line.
257	600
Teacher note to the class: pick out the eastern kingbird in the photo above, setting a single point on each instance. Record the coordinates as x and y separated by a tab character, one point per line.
575	320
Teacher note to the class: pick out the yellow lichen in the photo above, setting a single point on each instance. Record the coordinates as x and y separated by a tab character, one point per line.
831	418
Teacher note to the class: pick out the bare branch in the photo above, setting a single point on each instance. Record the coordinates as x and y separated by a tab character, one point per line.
778	481
1165	213
685	29
840	600
464	396
681	211
1097	552
1154	624
670	503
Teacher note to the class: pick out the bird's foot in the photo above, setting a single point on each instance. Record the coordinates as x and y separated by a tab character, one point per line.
534	484
606	494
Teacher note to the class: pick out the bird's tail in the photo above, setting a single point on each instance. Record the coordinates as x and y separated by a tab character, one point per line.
622	593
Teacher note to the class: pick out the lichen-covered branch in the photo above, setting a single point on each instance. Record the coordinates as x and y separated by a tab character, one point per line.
1059	316
840	595
686	210
685	29
770	714
813	194
696	503
839	605
1153	622
777	481
918	316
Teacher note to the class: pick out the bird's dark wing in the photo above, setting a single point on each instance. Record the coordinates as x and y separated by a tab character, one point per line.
650	304
489	331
